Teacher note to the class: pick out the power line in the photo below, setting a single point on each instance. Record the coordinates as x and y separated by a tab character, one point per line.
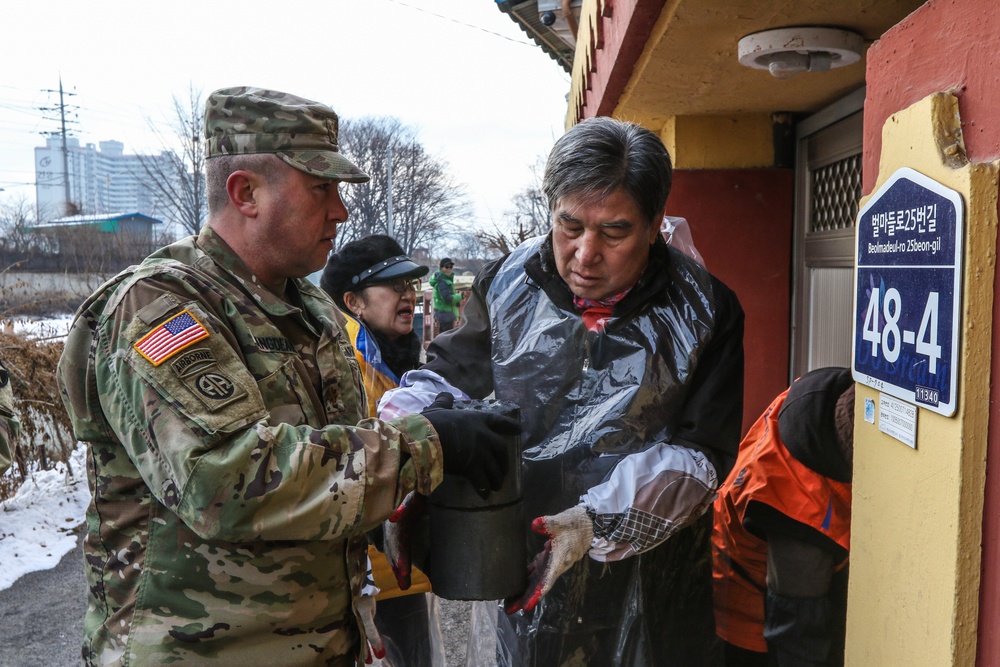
462	23
25	109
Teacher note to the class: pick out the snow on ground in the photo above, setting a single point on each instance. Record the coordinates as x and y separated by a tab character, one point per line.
39	525
56	326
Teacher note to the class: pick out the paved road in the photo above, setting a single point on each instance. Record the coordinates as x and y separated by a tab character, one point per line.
41	616
455	631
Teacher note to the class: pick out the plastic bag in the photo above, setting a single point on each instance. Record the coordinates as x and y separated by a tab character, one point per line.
411	630
677	233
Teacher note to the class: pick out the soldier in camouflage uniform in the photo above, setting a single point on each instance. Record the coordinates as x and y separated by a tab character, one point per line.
233	470
9	425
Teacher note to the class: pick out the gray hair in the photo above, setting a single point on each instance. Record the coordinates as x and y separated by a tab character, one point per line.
218	170
600	155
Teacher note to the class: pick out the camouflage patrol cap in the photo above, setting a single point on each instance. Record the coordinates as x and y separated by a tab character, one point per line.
301	132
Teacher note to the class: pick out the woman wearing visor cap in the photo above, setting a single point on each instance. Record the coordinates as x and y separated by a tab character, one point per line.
376	286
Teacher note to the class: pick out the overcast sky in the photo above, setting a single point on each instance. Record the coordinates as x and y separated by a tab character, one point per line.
480	95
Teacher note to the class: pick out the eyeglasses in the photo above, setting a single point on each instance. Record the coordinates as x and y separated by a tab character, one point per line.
401	285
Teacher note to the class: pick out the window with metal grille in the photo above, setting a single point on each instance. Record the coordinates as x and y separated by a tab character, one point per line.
836	189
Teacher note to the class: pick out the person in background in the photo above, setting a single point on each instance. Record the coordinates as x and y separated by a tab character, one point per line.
446	299
233	468
9	424
783	529
376	285
625	357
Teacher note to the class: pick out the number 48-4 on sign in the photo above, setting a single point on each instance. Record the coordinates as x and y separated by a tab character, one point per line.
908	291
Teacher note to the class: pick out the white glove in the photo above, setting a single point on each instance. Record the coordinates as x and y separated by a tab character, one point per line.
570	533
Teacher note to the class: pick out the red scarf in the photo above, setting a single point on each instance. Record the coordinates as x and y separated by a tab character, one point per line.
597	312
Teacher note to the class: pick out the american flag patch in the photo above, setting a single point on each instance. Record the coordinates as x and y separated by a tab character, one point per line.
171	337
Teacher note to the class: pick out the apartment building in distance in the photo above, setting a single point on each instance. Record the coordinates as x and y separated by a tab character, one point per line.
95	180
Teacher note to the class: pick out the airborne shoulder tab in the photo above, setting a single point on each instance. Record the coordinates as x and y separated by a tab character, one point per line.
192	361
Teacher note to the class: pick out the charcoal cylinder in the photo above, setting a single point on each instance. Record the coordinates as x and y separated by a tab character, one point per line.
477	546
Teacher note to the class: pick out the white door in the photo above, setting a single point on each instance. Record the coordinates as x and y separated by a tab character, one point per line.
827	190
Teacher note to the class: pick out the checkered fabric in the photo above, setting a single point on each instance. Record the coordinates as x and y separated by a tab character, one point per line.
640	529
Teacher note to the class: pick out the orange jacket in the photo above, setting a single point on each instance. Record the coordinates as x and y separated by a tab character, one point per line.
765	472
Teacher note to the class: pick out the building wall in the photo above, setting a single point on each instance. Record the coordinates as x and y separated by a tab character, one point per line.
924	556
917	512
921	534
909	62
741	221
606	52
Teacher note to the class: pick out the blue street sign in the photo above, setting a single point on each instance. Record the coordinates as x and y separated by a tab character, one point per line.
908	291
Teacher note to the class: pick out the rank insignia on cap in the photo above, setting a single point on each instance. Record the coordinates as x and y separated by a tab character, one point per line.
180	331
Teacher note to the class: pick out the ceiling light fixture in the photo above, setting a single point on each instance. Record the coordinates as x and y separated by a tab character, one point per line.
785	52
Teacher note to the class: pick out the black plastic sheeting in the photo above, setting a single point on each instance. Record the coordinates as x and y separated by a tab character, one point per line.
586	401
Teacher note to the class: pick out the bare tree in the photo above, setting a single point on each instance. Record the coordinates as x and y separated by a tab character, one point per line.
467	245
501	240
528	217
531	211
17	216
426	201
177	175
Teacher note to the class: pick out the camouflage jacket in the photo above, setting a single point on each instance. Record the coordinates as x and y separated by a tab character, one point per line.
232	468
9	424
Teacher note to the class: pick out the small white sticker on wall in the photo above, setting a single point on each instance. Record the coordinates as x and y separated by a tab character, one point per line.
870	410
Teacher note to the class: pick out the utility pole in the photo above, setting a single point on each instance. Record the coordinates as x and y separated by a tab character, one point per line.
65	153
62	132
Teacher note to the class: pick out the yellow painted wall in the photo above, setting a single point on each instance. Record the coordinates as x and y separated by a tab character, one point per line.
723	142
713	142
917	514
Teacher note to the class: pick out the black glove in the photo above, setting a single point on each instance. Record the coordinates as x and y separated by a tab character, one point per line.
473	442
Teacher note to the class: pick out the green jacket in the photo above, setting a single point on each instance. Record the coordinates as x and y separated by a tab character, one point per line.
446	299
233	479
9	425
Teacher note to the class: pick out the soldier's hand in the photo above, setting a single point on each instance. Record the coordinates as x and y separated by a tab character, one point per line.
399	532
366	610
473	442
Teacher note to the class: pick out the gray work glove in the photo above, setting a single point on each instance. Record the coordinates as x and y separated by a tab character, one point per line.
570	533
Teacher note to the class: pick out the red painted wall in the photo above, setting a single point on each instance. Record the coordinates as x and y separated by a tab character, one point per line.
622	35
741	221
948	45
954	46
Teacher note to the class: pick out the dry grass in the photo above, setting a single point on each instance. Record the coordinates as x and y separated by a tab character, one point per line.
46	434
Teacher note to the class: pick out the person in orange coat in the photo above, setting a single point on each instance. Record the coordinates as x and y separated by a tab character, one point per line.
782	529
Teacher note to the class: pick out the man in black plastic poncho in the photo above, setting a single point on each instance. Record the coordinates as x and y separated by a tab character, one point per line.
626	359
